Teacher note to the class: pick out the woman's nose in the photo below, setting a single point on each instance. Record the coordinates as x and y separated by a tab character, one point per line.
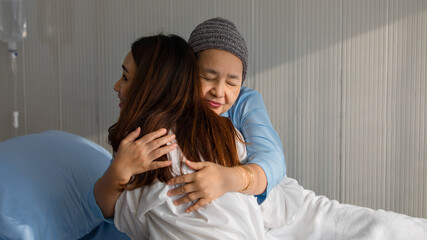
117	86
218	90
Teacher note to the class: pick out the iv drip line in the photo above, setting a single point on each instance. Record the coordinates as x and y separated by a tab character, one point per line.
14	67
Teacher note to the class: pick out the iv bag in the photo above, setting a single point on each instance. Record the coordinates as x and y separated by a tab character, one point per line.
13	22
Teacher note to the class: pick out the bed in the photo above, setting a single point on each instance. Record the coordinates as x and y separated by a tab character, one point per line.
46	182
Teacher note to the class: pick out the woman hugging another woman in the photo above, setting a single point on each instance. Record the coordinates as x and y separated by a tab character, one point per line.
160	89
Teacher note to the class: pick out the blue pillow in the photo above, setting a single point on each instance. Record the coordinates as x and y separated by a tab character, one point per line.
45	181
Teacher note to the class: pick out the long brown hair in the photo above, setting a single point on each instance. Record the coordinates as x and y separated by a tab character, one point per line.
166	93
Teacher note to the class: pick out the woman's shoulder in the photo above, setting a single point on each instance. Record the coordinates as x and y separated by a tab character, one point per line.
248	93
248	100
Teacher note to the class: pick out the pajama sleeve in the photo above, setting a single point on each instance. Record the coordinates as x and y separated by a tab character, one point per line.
249	115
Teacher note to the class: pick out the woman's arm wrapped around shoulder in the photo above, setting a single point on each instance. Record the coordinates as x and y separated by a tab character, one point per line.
249	115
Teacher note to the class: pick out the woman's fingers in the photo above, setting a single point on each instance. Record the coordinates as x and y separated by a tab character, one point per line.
159	164
200	203
153	141
157	143
186	178
187	188
196	165
151	136
187	198
192	197
132	136
162	151
203	186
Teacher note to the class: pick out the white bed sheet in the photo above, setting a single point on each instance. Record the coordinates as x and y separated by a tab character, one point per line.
321	218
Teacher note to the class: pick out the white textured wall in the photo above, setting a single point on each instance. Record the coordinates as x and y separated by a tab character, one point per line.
344	82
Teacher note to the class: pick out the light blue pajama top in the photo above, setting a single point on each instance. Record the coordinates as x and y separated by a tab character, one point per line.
249	115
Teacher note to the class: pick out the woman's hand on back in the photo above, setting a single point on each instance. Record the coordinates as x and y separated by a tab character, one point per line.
209	182
137	156
133	157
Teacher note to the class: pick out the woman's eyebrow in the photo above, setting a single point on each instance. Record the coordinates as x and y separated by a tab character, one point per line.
232	76
210	70
125	69
213	71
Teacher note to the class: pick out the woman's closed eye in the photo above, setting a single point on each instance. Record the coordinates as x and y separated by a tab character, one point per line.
207	78
231	83
124	77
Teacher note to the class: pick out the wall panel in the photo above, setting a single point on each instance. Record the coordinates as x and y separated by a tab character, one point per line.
273	69
42	73
406	108
318	98
364	102
77	67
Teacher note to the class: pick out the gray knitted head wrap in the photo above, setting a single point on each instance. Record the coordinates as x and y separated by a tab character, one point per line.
220	33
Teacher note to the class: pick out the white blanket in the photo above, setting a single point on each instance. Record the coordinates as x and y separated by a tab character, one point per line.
321	218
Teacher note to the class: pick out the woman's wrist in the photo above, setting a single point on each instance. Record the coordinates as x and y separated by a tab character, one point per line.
252	179
249	177
117	176
234	180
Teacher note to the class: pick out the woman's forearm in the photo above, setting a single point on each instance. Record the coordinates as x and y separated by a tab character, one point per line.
106	191
250	179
